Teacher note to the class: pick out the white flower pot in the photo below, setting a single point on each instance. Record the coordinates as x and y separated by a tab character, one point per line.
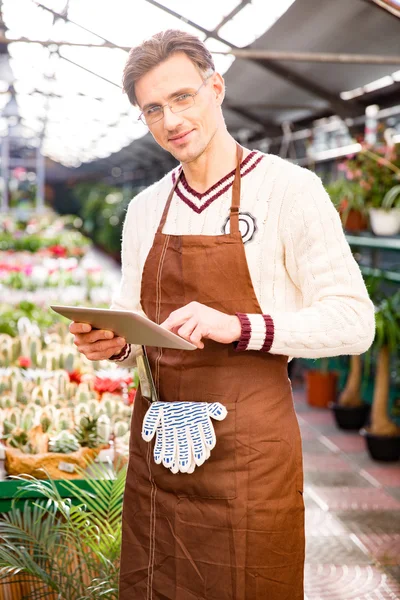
385	222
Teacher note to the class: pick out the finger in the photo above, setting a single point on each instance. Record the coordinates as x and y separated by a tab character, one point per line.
151	421
171	445
199	445
178	317
79	327
104	346
158	446
208	434
184	450
175	467
217	411
192	467
102	355
186	330
196	337
94	336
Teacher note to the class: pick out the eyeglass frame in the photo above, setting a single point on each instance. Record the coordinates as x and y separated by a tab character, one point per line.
167	104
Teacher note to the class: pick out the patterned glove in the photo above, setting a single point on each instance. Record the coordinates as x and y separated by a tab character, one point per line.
184	432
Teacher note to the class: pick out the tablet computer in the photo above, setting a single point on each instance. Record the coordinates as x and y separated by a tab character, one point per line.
134	327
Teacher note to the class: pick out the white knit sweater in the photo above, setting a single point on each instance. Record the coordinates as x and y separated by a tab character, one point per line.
304	275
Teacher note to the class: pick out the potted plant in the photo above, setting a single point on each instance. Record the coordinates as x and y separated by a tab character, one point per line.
386	220
350	411
348	198
383	435
377	171
58	548
321	384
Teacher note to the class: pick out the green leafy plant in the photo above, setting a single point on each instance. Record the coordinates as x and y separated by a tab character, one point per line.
392	198
386	346
346	195
377	171
69	550
86	432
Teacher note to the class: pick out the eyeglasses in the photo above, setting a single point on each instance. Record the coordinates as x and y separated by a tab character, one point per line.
182	102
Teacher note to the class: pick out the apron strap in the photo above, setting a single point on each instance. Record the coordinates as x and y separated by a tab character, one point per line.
168	203
235	206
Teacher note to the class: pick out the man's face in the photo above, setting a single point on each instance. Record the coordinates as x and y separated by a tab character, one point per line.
184	134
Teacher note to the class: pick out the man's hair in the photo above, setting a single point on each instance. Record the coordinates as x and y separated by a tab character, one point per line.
159	48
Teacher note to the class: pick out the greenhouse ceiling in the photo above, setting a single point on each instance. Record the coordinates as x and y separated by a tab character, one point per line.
61	87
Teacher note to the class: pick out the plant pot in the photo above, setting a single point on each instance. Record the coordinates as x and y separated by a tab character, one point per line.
384	448
385	222
58	466
321	388
350	417
355	221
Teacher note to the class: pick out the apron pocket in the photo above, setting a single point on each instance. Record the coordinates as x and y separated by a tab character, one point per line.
216	478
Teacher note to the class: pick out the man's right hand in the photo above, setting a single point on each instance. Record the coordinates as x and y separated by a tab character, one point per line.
96	344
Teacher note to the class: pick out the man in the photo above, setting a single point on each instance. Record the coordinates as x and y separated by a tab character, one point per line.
243	254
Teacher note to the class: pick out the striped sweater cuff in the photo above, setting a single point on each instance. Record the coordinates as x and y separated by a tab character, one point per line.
257	332
123	355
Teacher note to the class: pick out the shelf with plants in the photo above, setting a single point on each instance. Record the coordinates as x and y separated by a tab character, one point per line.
369	190
57	409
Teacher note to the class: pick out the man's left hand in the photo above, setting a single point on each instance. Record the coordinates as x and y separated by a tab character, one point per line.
196	321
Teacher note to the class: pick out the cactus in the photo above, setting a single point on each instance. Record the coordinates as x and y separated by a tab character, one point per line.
69	361
8	427
65	443
103	429
120	428
19	439
34	347
8	401
86	432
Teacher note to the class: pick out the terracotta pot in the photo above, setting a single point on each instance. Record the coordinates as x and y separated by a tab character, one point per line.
321	388
355	221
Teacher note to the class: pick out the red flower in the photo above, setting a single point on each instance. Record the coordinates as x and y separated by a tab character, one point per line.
24	362
58	250
131	396
75	376
113	386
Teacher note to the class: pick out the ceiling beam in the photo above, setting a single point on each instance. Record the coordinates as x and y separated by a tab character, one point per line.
230	16
267	126
245	53
341	107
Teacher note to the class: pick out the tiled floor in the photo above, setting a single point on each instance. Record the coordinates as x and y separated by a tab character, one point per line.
352	513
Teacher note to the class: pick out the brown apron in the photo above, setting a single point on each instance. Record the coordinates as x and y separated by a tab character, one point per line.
233	529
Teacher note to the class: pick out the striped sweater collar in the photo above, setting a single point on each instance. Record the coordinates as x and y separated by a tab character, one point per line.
200	201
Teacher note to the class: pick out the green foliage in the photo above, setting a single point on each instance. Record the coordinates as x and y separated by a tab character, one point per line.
86	432
346	195
10	314
377	171
103	212
65	442
387	318
72	549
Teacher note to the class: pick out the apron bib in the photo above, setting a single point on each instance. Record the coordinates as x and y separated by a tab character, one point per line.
234	528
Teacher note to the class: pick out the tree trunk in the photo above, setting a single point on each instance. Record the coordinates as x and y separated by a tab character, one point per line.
380	423
350	395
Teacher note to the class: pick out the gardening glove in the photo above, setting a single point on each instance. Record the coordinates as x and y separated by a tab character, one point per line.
184	432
